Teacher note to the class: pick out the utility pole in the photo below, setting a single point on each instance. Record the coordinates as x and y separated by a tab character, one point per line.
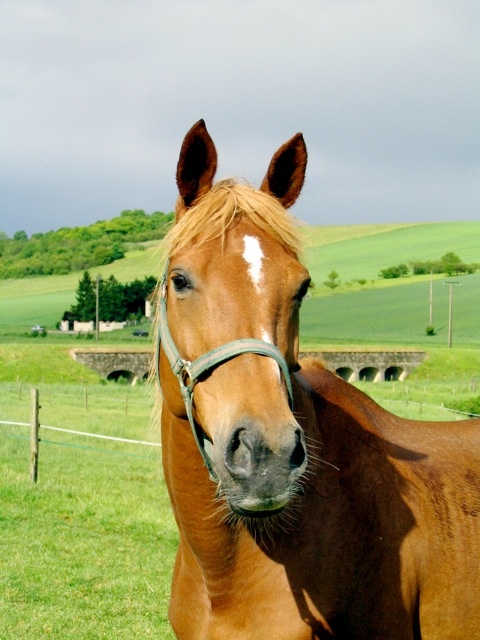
430	324
450	310
97	306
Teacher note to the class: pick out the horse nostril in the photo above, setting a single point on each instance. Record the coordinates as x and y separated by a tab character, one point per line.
238	454
299	455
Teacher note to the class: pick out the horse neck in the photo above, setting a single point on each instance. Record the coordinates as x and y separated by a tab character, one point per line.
345	421
202	517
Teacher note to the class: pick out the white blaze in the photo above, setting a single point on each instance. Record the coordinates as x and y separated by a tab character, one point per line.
253	256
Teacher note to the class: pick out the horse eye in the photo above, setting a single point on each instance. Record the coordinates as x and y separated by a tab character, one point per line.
180	283
302	292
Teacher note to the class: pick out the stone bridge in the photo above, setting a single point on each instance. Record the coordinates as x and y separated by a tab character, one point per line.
116	364
371	366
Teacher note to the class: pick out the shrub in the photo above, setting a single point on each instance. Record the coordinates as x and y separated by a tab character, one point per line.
470	406
398	271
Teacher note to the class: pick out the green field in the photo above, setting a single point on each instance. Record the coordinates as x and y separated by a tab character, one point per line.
88	552
395	315
42	300
355	252
363	256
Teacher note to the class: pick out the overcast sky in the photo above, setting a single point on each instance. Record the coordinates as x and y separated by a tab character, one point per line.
96	96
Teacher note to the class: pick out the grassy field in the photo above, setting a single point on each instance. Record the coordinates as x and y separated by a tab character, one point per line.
395	315
42	300
88	552
355	252
363	256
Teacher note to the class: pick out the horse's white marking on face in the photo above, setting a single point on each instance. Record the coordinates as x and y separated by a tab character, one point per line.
266	337
253	256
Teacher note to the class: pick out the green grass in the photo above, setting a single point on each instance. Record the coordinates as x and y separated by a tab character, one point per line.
395	315
445	378
88	552
356	251
364	256
42	300
42	362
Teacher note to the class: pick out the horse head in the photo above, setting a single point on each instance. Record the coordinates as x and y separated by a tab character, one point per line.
231	295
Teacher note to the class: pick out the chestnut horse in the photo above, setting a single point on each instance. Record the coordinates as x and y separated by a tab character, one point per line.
304	509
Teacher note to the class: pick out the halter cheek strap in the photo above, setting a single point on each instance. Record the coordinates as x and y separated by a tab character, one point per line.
189	373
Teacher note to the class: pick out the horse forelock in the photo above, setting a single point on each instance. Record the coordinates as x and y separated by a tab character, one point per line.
223	206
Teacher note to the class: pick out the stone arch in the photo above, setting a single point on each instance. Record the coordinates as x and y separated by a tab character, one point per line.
122	375
394	373
346	373
369	374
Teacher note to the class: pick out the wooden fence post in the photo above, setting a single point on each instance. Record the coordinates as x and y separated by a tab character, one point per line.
34	428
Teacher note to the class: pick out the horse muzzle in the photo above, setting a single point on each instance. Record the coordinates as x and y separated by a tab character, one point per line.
259	477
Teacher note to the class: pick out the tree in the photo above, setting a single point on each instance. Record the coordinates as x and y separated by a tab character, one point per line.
84	310
332	282
136	293
451	263
20	236
111	300
398	271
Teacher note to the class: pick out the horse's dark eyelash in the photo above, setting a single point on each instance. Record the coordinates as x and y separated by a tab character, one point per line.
302	292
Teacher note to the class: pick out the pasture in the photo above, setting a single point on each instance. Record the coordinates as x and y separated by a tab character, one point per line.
87	552
363	255
394	315
355	252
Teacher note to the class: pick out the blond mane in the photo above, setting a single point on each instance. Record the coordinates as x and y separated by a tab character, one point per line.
222	206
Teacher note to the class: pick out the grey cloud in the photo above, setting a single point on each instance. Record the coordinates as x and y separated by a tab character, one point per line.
98	96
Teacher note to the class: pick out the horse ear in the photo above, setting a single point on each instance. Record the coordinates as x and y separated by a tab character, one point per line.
196	166
286	173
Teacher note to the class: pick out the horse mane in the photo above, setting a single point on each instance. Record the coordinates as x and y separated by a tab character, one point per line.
224	205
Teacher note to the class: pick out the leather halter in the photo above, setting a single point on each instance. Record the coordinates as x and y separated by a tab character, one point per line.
189	373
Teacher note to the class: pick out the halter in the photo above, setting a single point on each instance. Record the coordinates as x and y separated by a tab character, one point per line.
189	373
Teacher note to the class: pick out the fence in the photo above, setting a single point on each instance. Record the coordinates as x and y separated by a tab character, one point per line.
35	427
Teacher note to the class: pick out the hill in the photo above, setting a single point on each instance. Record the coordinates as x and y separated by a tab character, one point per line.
363	255
394	315
78	248
349	314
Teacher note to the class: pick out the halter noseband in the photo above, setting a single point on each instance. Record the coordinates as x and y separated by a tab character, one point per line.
189	373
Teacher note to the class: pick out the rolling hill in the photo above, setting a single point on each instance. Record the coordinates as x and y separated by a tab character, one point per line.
384	310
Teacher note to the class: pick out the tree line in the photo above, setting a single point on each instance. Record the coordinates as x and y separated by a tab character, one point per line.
450	264
117	302
78	248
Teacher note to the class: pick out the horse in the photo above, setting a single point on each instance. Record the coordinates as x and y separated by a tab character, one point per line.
304	509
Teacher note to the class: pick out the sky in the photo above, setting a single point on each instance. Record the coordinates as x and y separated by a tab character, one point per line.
97	95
